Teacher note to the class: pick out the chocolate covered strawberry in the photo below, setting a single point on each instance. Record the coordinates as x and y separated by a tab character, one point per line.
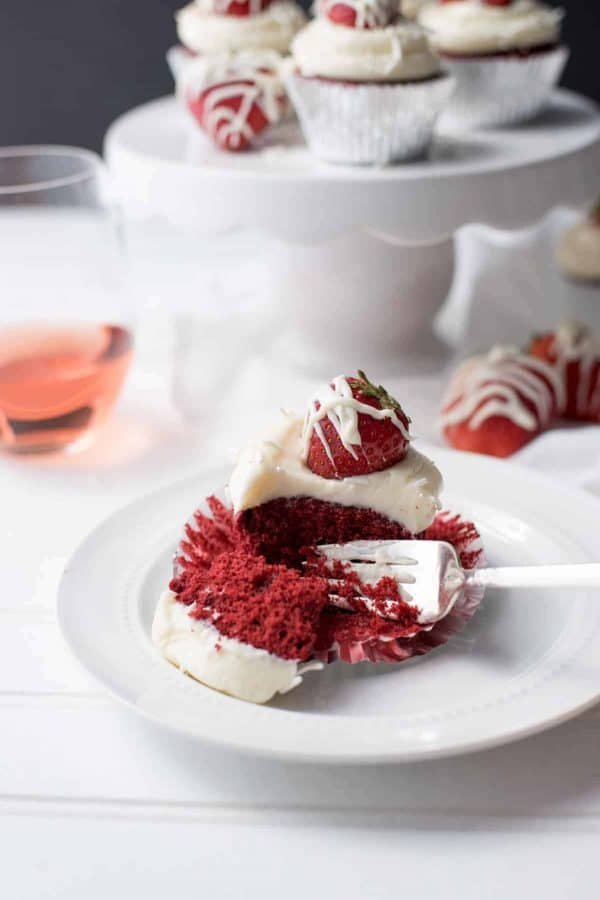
240	7
232	113
359	13
354	427
235	97
497	403
574	352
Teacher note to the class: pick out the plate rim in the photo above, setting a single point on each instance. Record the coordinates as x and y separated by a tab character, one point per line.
374	756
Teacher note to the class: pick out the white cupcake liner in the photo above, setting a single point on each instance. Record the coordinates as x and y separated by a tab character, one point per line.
368	124
502	90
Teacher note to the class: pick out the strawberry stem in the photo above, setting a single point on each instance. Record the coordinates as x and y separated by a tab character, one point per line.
379	393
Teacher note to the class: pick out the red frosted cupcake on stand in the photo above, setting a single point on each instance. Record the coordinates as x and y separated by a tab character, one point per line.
505	55
229	69
367	85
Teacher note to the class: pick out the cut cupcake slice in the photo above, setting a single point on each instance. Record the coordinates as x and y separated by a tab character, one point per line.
251	606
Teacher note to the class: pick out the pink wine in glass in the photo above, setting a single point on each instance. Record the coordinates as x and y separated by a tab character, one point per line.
57	382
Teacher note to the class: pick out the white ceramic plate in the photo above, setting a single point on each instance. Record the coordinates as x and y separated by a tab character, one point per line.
525	662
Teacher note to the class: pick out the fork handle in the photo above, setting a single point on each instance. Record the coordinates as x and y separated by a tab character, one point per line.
574	576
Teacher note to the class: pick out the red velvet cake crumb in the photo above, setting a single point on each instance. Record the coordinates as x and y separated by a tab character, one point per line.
248	576
269	607
283	529
385	596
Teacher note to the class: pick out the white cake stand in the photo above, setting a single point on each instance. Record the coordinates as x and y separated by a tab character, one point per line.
360	259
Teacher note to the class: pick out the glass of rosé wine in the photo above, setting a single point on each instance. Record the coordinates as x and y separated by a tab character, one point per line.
65	340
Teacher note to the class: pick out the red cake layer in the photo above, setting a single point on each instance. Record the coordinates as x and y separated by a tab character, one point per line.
283	530
250	571
272	608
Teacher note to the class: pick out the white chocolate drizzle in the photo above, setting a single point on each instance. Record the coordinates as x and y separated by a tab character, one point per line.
226	74
576	343
368	13
498	385
336	403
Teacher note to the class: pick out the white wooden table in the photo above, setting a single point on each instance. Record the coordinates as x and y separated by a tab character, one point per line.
98	804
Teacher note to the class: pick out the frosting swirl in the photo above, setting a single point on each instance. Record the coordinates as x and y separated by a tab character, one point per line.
471	27
400	52
410	8
578	252
203	31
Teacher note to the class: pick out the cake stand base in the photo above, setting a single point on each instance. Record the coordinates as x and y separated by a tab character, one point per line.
361	299
360	259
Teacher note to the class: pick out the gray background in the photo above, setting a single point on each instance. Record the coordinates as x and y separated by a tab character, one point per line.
68	67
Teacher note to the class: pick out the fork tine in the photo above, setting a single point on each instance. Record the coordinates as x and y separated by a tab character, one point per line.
428	573
399	552
371	573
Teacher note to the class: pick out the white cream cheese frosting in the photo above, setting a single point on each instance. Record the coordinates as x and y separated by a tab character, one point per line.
272	467
222	663
472	27
578	252
400	52
203	31
411	8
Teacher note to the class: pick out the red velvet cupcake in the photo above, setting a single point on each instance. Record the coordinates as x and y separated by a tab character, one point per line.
250	608
505	56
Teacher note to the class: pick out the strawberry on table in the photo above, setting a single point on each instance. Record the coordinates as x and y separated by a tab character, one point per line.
497	403
360	13
574	351
354	427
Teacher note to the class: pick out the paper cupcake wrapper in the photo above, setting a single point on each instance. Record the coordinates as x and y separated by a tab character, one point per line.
502	90
368	124
467	542
210	531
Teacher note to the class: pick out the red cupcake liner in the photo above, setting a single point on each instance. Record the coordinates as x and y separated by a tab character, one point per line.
465	538
209	534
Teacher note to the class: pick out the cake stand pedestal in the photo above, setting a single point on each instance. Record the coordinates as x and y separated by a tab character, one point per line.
360	260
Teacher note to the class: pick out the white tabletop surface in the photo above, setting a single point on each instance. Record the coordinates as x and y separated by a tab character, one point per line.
98	804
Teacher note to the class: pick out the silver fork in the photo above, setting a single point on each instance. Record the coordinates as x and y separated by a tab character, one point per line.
431	577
